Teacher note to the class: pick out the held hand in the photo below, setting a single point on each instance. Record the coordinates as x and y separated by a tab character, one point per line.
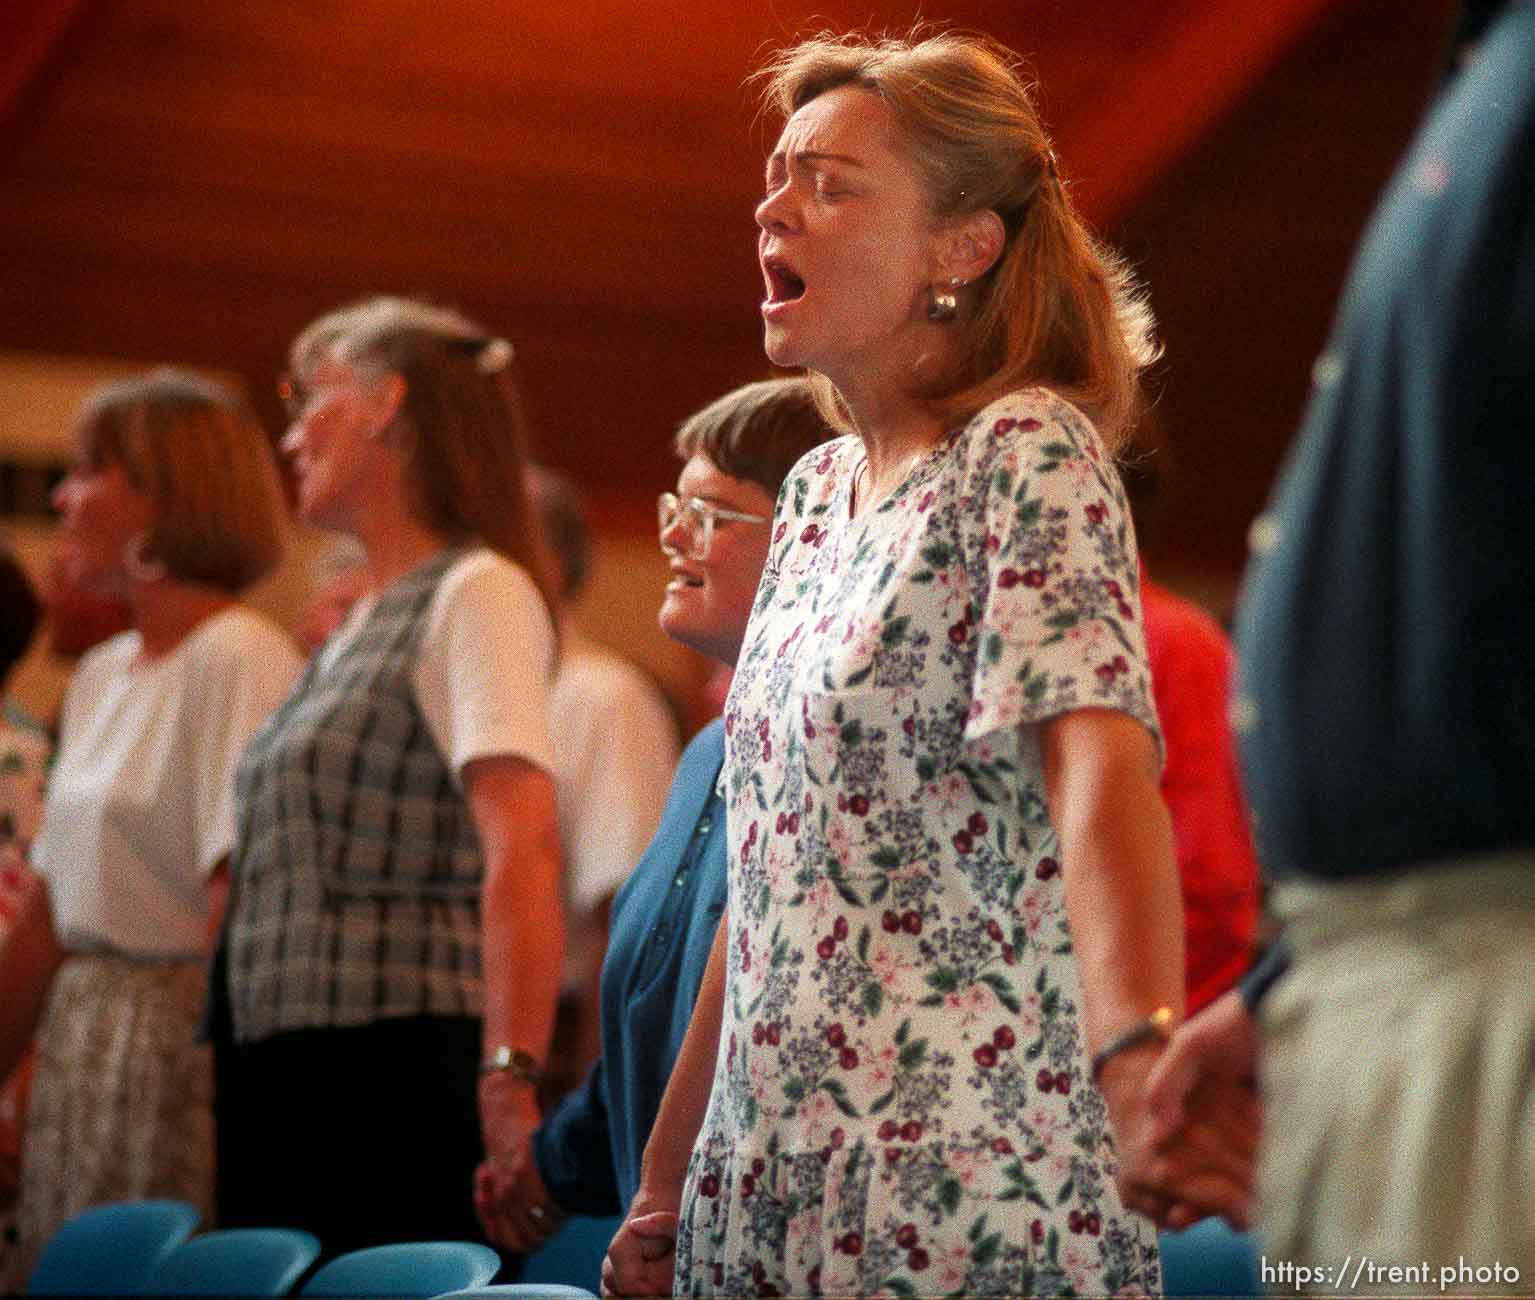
1206	1117
509	1116
514	1207
1220	1043
641	1256
1204	1166
1122	1084
1209	1166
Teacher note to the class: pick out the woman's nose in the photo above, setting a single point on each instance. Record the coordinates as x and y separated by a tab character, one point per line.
675	537
772	212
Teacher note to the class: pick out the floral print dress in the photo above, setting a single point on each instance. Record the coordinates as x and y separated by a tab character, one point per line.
901	1103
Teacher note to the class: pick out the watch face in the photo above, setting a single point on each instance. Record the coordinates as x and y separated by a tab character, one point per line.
514	1061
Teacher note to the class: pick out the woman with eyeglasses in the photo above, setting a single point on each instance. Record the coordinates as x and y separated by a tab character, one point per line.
173	506
714	530
953	944
384	994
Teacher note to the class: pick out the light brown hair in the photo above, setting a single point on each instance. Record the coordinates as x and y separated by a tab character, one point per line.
196	451
461	421
1058	308
756	432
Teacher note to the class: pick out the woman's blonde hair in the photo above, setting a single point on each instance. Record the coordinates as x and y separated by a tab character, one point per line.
196	451
461	421
1058	308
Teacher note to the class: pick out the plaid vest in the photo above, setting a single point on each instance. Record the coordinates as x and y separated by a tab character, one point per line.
355	880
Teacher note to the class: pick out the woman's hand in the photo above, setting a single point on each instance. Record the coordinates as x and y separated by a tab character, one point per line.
1202	1167
642	1255
1205	1118
514	1207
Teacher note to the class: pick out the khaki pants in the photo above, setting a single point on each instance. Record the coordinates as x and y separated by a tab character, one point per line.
1399	1086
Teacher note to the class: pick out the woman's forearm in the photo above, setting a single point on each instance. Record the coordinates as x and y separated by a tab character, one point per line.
30	956
522	927
523	933
1123	899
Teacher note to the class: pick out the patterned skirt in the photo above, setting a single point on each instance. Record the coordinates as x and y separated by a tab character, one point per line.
122	1098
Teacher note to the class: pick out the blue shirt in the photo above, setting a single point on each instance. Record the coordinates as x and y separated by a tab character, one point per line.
1386	704
661	930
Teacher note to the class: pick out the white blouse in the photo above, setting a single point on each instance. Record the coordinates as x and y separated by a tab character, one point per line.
140	805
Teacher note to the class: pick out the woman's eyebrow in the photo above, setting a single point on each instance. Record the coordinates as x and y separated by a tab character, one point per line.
801	157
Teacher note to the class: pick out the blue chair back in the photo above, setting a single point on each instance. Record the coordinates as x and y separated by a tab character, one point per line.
574	1254
111	1249
411	1268
521	1291
236	1261
1209	1259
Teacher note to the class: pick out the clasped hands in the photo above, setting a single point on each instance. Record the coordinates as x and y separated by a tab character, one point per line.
1187	1119
514	1207
642	1255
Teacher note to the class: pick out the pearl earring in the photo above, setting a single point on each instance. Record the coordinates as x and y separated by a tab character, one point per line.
139	566
945	302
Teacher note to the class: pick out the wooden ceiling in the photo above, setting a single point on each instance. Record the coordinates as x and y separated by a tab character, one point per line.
194	182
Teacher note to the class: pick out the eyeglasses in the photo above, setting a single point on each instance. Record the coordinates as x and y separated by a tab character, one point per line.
696	517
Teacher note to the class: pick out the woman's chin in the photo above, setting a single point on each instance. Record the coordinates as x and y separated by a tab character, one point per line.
75	568
688	627
779	345
672	617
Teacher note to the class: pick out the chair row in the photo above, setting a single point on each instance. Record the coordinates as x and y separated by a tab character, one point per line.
148	1248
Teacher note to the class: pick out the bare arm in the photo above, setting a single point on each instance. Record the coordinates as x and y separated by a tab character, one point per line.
522	943
639	1260
30	956
1122	898
218	900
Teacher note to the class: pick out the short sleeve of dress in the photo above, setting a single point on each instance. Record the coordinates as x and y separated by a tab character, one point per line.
1054	570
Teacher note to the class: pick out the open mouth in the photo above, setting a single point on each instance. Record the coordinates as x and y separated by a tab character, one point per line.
782	283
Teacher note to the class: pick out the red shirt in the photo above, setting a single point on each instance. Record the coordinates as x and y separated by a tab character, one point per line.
1191	666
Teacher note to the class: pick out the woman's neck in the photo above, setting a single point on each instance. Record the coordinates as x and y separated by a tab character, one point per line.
166	612
896	433
395	548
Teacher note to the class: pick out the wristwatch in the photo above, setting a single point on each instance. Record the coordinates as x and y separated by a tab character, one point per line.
1159	1024
513	1061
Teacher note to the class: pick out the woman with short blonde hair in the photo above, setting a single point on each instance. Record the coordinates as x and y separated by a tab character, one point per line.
187	445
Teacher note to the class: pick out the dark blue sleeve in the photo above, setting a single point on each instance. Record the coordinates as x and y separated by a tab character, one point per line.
1264	974
574	1152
